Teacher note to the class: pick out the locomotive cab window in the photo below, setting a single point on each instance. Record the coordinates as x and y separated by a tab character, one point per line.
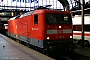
35	19
65	19
52	18
58	18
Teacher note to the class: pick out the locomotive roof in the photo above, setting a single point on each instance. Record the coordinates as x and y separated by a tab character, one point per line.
43	11
26	14
12	18
39	11
50	11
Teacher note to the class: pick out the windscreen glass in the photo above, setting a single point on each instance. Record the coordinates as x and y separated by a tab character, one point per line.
58	19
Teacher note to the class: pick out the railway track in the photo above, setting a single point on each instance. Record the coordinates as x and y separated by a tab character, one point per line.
74	56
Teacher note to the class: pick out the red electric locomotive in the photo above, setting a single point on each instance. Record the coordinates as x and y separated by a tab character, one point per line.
44	28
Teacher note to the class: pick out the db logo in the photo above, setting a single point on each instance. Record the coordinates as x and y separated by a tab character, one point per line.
59	31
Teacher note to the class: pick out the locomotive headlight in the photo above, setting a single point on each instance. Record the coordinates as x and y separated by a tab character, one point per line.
59	26
48	38
70	36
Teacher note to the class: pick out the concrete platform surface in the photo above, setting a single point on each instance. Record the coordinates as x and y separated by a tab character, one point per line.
11	50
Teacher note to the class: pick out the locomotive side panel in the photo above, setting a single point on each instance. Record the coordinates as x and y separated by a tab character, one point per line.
37	30
22	29
12	31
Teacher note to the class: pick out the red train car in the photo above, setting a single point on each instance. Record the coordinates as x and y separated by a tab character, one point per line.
51	30
12	27
22	29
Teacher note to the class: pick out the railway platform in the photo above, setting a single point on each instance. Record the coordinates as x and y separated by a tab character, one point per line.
11	50
83	51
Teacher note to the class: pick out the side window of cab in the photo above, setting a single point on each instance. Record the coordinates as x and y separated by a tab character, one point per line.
35	19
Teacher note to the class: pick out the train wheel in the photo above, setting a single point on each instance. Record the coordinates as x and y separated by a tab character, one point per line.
45	52
19	41
40	50
27	44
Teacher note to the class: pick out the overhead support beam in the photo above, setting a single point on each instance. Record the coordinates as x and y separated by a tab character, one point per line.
65	4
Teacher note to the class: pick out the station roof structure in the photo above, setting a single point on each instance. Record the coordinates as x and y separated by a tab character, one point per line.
64	2
67	4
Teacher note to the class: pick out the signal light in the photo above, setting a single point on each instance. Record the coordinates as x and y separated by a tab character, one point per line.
12	13
21	13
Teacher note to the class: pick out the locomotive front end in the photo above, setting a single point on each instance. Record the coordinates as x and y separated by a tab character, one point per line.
59	31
